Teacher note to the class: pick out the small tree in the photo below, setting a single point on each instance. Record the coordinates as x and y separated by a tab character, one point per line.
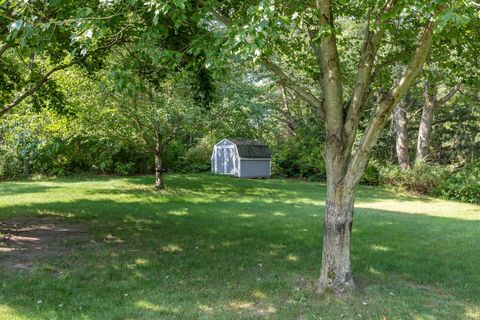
151	108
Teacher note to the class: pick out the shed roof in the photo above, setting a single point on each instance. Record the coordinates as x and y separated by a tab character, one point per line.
251	149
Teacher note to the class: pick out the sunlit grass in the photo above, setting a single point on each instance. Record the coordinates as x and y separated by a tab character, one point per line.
221	248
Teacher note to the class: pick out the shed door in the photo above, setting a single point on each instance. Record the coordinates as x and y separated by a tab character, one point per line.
220	161
229	160
225	160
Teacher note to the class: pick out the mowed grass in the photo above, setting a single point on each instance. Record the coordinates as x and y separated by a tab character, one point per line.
221	248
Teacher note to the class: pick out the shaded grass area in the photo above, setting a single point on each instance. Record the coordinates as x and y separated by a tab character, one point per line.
221	248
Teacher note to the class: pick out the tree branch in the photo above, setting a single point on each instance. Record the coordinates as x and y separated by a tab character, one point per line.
364	75
386	104
449	95
279	72
285	80
35	88
140	126
4	48
221	18
330	66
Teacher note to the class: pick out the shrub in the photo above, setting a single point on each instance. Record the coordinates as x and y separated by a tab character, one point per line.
10	164
464	185
299	159
423	178
197	158
124	169
371	176
436	180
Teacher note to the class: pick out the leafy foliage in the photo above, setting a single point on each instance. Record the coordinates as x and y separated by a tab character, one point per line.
435	180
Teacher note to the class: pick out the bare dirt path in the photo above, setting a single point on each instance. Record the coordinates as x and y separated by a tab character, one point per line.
25	241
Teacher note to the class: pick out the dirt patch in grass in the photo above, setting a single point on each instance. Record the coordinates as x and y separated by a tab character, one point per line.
26	241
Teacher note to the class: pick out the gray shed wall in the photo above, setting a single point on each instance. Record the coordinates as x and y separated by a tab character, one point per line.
254	168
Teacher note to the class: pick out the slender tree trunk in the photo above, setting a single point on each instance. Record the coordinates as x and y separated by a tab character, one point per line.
401	135
432	102
336	273
159	185
426	121
159	147
26	167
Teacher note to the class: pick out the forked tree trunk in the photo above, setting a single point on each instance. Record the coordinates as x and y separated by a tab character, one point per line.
344	168
401	135
159	185
336	274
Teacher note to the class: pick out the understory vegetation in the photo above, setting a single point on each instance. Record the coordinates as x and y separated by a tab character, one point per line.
213	247
291	159
442	181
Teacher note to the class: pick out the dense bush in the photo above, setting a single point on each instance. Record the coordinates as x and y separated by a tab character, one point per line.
435	180
464	185
371	176
10	164
197	158
299	160
59	157
422	178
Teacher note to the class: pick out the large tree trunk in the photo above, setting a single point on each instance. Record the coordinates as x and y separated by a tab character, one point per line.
426	121
336	274
159	185
401	135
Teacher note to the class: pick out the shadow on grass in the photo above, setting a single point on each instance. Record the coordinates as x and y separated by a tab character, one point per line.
234	187
176	257
16	188
187	249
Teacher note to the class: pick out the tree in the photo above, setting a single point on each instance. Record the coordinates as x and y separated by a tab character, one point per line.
86	33
269	31
151	104
432	102
401	134
452	63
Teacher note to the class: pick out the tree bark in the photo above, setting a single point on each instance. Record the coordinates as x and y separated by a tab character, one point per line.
426	121
425	129
401	135
159	185
336	273
26	167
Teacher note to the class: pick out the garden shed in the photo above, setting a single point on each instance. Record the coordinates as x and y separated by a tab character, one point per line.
242	158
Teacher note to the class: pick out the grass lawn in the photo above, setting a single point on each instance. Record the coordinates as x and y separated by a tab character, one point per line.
221	248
